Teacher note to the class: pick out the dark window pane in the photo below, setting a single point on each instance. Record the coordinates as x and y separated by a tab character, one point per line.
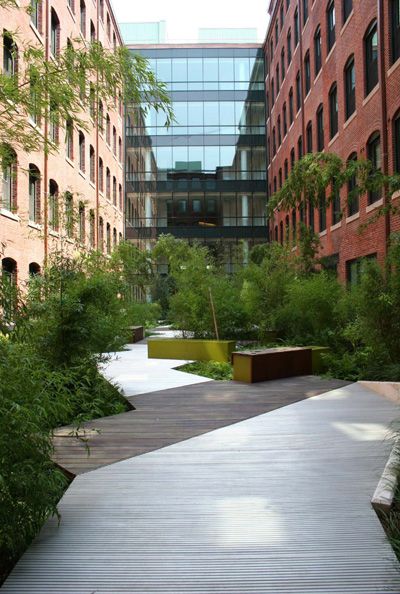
347	8
374	155
350	83
309	138
322	212
305	11
371	59
307	73
395	29
397	143
333	112
317	51
352	196
320	129
298	91
296	28
336	211
331	25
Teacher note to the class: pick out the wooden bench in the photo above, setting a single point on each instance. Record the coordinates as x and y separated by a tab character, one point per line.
136	334
271	364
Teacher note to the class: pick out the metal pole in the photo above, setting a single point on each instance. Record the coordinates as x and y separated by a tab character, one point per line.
213	313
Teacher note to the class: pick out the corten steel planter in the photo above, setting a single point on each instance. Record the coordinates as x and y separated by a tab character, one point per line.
271	364
191	349
136	333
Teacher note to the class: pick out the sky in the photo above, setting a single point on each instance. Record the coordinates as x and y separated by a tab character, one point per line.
184	18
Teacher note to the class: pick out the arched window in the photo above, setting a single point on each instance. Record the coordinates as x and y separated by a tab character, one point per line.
34	269
108	26
294	225
317	50
10	55
82	20
108	238
121	203
92	228
353	202
69	139
289	47
82	152
276	232
322	211
108	183
298	92
320	128
92	155
286	169
114	237
305	11
92	32
101	234
281	232
119	149
331	25
53	205
296	27
34	193
300	148
108	130
333	111
374	155
309	138
279	131
273	142
101	116
114	191
371	58
287	228
284	118
9	277
307	72
283	63
54	33
291	107
278	85
69	214
114	140
292	159
9	185
350	87
82	222
101	175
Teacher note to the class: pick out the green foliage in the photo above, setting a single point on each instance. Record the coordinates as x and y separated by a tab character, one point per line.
212	369
144	314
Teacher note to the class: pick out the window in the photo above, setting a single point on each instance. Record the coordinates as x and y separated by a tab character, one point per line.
54	130
309	138
374	155
296	28
289	47
287	5
371	58
294	225
92	155
34	194
286	169
353	205
300	148
101	234
276	33
9	183
305	11
322	212
114	140
35	107
54	33
9	277
331	25
307	72
81	222
284	116
273	91
281	232
53	205
69	139
92	32
108	26
311	219
10	55
82	20
336	210
120	149
36	9
320	128
108	183
108	130
350	87
121	204
82	155
347	8
277	80
281	15
291	107
395	29
292	159
101	7
354	269
396	136
280	178
283	63
92	228
69	214
333	112
101	175
298	92
114	191
279	131
317	51
273	142
101	116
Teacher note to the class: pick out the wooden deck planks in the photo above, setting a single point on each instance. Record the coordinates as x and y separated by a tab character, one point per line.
169	416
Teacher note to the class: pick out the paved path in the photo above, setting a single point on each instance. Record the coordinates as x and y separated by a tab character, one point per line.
276	504
169	416
134	373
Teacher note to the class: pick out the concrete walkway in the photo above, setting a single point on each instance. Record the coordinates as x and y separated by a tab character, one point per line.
277	504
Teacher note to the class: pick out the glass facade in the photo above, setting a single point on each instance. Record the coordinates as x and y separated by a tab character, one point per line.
204	177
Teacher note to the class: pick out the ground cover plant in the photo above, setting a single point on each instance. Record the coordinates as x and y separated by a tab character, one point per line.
212	369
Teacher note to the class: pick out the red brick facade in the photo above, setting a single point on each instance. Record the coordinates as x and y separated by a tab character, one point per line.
374	111
24	242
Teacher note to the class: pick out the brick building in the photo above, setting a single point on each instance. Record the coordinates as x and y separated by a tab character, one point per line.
39	192
333	84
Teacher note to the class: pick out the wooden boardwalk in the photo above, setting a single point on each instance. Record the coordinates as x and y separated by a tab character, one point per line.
276	504
170	416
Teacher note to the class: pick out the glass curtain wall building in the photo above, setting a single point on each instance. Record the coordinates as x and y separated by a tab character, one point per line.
204	178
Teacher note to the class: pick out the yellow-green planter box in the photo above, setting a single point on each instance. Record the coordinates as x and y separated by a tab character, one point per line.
318	364
190	349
